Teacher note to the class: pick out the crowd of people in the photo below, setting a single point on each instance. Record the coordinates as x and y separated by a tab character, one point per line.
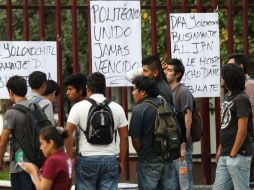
84	151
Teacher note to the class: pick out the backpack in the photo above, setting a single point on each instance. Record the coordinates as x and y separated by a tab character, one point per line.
167	133
196	124
35	120
100	123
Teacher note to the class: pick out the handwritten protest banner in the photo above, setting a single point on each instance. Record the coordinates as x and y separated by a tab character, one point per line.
115	39
195	40
24	57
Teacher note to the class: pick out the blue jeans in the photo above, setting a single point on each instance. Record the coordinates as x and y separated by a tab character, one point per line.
97	173
232	172
154	175
183	181
21	181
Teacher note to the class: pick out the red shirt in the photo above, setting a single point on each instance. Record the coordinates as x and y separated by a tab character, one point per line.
57	168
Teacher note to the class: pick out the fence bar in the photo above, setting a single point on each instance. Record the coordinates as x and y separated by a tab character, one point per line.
205	142
9	19
41	20
230	26
245	27
25	20
153	27
89	37
59	60
168	42
184	6
217	100
74	36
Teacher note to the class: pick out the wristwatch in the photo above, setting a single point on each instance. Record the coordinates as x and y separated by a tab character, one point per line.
232	156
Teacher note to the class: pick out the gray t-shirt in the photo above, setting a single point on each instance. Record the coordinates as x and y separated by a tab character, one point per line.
183	100
15	120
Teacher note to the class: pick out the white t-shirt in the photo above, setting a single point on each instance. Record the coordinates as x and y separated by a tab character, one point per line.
78	116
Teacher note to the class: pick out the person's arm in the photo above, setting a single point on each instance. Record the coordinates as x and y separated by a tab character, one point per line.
124	146
188	121
136	144
240	135
40	183
3	144
68	142
217	157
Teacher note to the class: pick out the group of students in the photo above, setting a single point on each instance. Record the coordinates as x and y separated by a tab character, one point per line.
96	165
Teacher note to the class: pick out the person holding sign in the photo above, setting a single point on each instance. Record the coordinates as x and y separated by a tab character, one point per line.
235	151
152	68
183	102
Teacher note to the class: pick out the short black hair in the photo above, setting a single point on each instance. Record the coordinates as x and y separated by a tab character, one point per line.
154	63
178	67
78	81
96	82
52	86
56	134
234	78
240	59
17	85
36	79
146	84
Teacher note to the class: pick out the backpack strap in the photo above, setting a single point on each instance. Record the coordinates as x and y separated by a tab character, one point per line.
152	103
21	108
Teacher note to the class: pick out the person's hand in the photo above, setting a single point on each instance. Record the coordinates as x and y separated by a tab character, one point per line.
29	167
163	64
183	151
121	167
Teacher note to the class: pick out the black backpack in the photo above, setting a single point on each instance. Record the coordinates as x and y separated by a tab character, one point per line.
100	123
167	133
35	120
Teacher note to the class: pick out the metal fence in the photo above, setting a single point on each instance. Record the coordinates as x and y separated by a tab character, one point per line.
230	7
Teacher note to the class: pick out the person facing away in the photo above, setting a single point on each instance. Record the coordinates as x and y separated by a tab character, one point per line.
183	102
55	173
51	93
152	172
235	150
13	125
37	81
152	68
97	166
76	87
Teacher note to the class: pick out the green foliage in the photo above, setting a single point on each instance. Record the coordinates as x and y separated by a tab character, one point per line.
82	33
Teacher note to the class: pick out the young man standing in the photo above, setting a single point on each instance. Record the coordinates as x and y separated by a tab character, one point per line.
97	166
14	122
152	68
183	102
37	81
235	151
76	87
153	172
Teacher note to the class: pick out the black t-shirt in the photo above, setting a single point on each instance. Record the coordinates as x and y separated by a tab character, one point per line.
142	127
233	107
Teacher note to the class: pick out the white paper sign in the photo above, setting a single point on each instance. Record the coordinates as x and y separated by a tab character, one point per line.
24	57
115	39
195	40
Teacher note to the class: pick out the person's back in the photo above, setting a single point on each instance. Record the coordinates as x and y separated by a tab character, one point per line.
100	159
37	81
14	123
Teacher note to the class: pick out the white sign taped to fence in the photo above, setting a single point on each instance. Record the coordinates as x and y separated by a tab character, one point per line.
24	57
195	40
115	39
